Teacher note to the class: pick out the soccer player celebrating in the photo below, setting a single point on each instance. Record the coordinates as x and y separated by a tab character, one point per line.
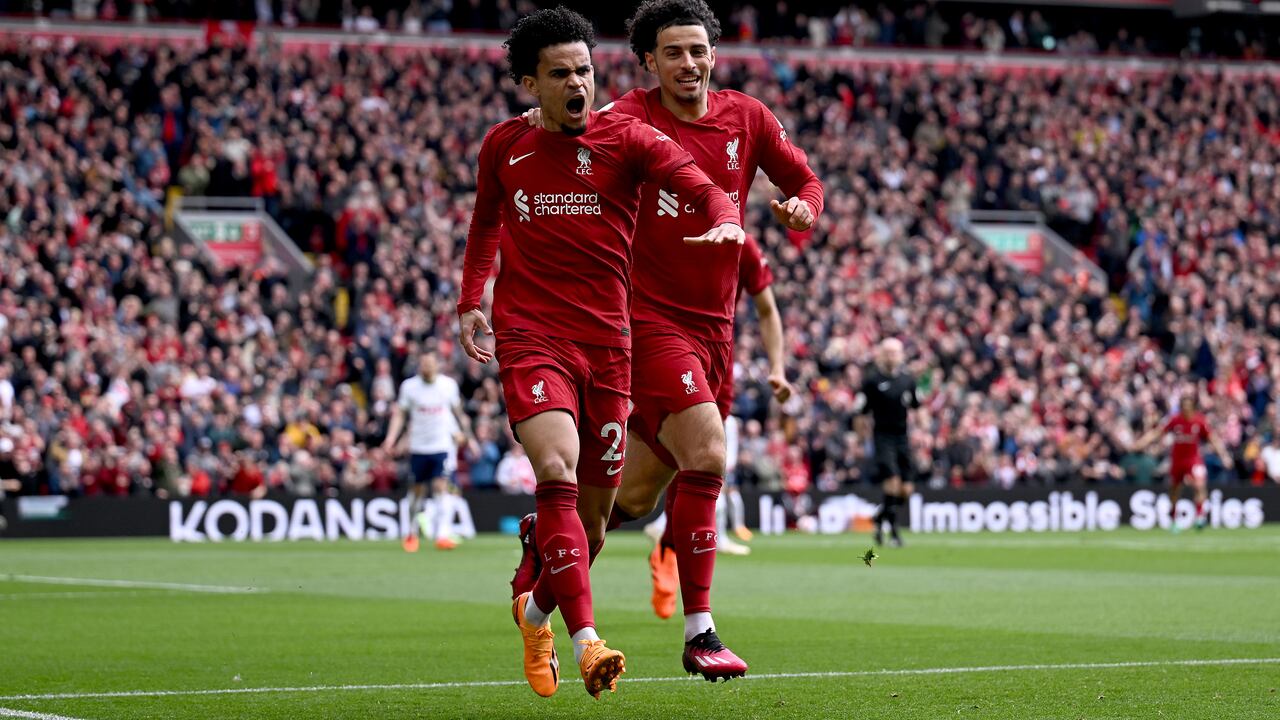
1188	428
684	301
889	393
434	408
568	193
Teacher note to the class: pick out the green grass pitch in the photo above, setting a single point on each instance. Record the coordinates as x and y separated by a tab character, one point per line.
1107	625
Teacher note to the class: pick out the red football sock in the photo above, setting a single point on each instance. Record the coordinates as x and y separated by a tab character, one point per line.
668	506
1199	508
693	519
564	581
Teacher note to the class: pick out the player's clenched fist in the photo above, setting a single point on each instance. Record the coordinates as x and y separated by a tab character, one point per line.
782	389
720	235
470	321
794	213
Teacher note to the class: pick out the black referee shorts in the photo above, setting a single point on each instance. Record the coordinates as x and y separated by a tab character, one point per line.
893	458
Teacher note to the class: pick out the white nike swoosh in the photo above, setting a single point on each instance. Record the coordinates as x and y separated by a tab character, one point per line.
556	571
699	551
513	159
613	471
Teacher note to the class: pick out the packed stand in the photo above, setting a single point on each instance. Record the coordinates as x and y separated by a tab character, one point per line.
1060	29
128	365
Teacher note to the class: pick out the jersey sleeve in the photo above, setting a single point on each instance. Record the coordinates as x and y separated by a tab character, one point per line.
658	155
689	180
631	103
785	164
486	221
754	273
402	398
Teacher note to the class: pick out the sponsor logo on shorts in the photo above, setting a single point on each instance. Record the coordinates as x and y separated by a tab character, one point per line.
613	470
539	392
562	568
689	387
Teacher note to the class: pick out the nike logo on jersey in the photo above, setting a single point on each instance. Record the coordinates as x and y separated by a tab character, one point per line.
699	551
513	159
613	470
884	386
557	571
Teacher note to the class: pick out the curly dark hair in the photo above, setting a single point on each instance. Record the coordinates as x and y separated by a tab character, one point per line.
654	16
541	29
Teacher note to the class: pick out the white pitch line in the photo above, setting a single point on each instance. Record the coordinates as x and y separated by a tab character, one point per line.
102	582
7	712
85	594
765	676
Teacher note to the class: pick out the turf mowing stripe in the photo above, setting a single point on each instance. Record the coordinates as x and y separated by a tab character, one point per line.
6	712
101	582
86	593
766	676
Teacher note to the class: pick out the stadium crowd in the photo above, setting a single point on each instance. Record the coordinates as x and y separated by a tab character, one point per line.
919	23
129	364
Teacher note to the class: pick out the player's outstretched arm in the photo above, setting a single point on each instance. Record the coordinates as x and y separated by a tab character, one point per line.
663	162
691	181
719	235
468	323
1150	436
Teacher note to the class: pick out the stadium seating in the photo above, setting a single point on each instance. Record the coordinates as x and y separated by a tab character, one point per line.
129	365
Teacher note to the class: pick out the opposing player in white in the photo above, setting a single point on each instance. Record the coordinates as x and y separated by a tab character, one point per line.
435	417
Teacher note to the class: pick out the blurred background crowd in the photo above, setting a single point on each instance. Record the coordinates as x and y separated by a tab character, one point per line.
131	365
1140	27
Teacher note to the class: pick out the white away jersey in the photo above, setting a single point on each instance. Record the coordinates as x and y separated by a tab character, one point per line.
430	409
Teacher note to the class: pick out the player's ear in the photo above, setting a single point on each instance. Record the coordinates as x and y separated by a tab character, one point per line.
651	63
712	57
530	84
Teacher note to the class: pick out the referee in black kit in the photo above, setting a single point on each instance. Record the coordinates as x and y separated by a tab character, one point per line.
888	393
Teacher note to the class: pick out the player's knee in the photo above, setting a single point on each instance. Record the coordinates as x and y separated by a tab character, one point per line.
638	505
554	468
708	458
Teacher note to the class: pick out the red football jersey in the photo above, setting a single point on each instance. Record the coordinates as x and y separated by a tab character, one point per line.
1188	432
754	273
569	207
697	291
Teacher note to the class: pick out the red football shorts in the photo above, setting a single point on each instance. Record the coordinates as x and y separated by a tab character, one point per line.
590	382
1185	471
672	371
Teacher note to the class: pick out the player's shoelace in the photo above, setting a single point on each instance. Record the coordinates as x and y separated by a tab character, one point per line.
708	642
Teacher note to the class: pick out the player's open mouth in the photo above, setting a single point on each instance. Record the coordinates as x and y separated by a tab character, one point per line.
576	106
689	82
